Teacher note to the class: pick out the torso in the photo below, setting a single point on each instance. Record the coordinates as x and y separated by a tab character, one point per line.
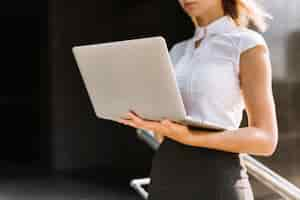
207	72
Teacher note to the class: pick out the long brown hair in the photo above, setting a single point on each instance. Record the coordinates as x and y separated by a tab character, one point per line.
245	12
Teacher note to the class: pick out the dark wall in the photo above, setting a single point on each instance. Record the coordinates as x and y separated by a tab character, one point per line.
24	86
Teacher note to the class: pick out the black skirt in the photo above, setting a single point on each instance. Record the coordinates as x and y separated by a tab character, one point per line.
186	172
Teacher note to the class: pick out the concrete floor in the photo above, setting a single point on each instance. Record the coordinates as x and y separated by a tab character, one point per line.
60	188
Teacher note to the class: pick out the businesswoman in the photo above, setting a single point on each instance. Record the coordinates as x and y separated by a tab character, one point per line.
221	70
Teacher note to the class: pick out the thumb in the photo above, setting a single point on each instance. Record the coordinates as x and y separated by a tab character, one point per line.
166	122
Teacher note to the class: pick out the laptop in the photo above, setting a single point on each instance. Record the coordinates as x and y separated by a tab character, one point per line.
135	74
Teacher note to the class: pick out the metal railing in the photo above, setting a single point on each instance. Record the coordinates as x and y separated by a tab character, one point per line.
265	175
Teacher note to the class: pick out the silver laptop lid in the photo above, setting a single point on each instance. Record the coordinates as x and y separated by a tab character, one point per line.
134	74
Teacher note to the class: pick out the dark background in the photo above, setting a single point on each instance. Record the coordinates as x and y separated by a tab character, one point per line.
24	86
47	122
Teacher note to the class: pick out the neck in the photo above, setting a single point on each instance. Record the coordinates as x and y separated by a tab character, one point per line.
209	16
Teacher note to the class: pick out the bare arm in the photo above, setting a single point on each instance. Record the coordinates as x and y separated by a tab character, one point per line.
261	135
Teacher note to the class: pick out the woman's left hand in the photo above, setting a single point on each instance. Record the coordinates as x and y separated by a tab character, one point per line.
165	127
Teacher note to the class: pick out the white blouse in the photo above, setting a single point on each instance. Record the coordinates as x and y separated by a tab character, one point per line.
208	76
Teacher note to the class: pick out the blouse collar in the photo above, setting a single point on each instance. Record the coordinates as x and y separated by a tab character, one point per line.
220	25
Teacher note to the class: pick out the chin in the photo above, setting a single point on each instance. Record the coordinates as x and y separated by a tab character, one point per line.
194	12
197	12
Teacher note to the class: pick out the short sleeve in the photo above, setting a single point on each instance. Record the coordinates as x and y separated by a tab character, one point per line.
250	39
176	51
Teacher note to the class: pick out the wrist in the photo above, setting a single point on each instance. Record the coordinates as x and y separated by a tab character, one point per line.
186	138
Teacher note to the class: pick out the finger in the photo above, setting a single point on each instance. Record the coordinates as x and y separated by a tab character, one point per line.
134	113
166	123
123	121
128	122
124	117
136	124
136	119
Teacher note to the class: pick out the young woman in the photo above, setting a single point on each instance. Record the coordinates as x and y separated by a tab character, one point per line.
221	70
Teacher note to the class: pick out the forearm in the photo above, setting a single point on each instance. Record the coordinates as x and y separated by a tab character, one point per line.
249	140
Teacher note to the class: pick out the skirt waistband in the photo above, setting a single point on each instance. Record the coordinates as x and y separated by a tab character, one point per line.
197	150
201	155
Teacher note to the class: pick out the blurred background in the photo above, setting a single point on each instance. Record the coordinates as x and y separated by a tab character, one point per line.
52	145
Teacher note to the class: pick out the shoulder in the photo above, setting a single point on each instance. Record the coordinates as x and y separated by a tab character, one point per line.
256	62
179	46
246	38
177	50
